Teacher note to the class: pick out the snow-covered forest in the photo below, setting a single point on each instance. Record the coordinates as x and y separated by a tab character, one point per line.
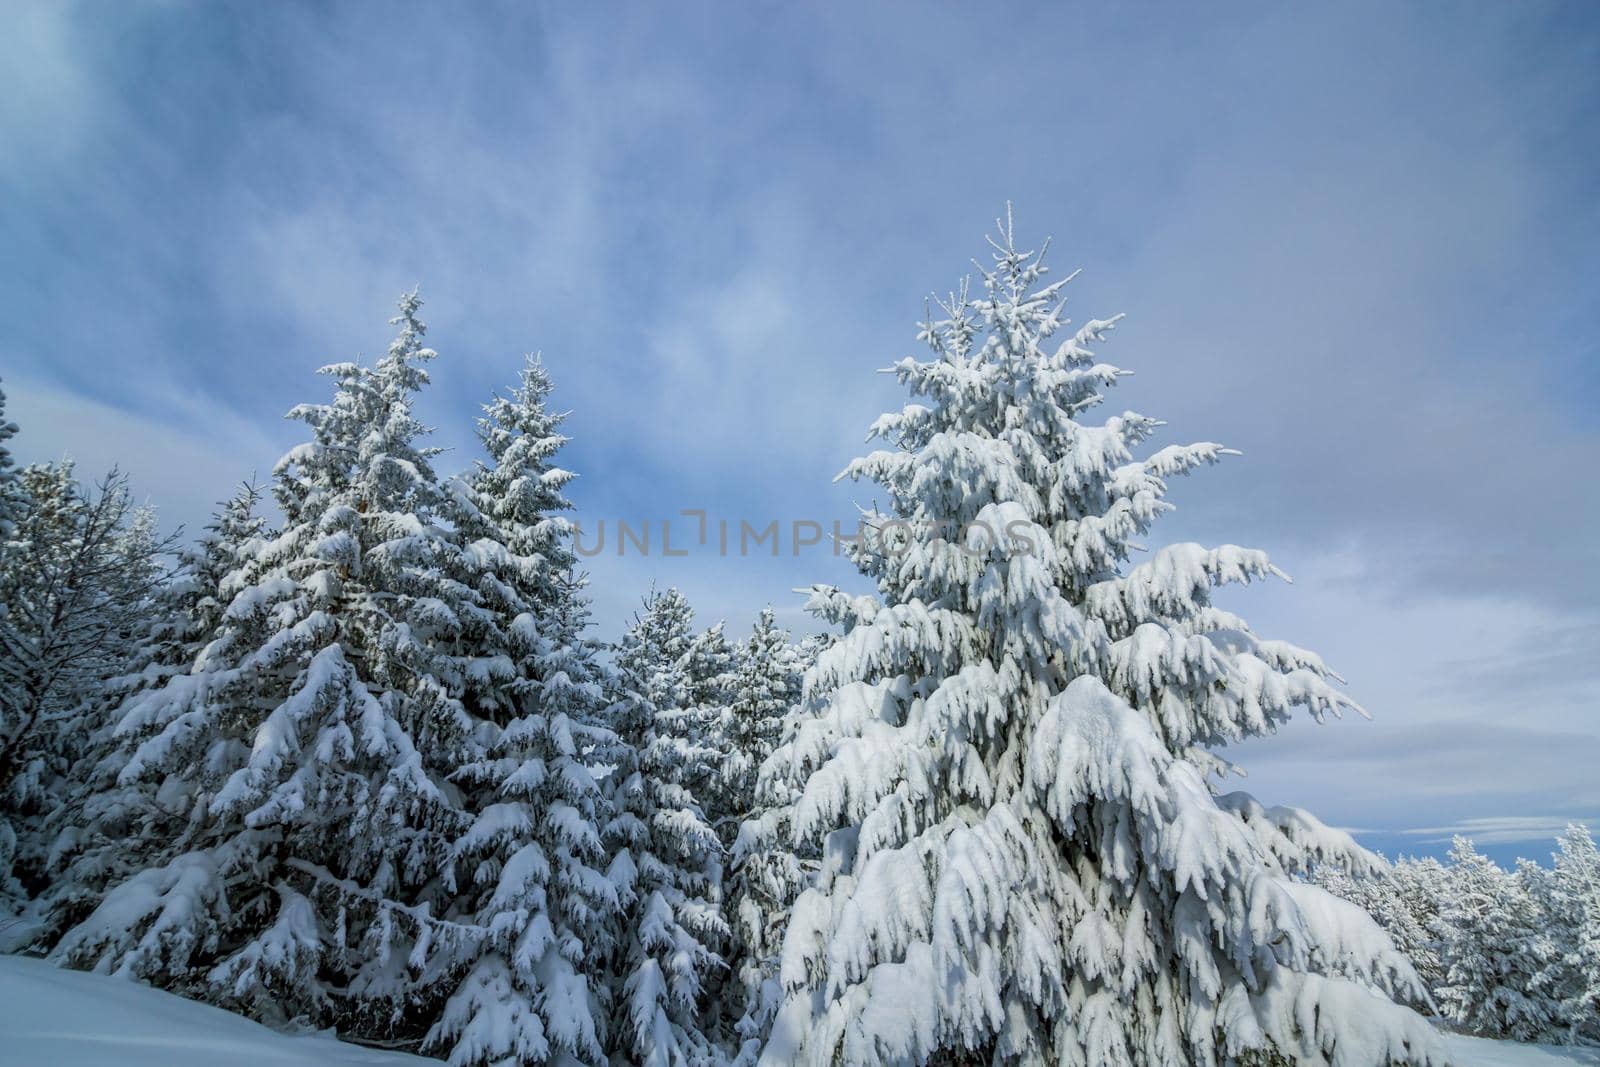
355	757
1510	954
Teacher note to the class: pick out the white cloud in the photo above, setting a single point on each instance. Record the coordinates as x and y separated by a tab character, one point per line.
46	92
183	468
1501	829
1469	711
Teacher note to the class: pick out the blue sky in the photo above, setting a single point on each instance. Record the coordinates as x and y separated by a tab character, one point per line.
1361	244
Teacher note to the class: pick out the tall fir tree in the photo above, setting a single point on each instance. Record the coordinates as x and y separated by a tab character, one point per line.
516	500
668	863
764	689
713	669
307	745
216	569
765	876
530	868
1004	762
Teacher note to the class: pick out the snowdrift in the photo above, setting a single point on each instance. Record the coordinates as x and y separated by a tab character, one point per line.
74	1019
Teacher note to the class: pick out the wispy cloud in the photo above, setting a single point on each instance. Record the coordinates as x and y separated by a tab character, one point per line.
46	87
1502	829
181	466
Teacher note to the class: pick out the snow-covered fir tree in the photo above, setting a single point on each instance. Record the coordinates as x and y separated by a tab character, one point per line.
186	611
1005	758
765	874
217	565
530	868
516	501
668	863
108	828
1494	948
307	746
80	579
1570	894
10	487
765	687
714	668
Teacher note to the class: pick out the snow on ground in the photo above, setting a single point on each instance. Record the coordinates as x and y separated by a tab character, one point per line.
1476	1052
72	1019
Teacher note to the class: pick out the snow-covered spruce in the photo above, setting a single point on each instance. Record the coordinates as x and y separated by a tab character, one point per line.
80	580
529	869
1495	950
763	690
668	863
1570	895
1005	759
11	502
715	669
109	828
305	750
764	874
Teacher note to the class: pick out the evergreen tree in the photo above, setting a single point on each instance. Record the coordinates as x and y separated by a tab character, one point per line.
765	875
79	577
1003	762
668	863
530	866
108	828
307	745
1571	896
516	501
1504	954
714	667
1493	950
216	568
764	688
11	503
1496	922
